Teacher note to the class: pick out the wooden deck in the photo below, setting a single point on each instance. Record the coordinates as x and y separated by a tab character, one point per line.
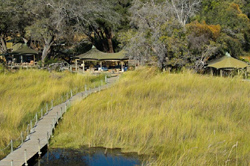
43	130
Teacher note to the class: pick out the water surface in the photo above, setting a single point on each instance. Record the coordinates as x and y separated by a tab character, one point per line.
88	157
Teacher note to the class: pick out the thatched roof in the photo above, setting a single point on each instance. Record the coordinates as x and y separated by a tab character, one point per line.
24	50
95	54
227	62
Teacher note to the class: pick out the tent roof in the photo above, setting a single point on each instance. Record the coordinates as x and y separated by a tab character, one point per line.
24	49
227	62
95	54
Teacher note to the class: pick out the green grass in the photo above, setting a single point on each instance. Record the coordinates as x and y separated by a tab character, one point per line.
24	93
177	119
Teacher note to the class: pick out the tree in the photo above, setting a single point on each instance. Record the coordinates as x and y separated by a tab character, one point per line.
202	44
184	9
51	22
96	19
160	30
13	20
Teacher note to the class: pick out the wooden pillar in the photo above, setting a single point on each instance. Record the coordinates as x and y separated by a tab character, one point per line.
211	71
221	72
21	59
34	56
122	66
76	65
83	66
100	65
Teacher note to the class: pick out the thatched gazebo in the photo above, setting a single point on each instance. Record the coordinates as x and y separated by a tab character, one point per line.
24	54
95	55
227	63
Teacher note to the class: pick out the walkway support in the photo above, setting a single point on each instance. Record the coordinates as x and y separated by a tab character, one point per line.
42	132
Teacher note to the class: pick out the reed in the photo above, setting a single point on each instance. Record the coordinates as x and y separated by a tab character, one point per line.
25	93
176	119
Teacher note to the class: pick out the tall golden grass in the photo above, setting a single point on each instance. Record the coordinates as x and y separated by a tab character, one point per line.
176	119
24	93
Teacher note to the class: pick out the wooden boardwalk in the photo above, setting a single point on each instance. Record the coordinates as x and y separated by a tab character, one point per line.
43	130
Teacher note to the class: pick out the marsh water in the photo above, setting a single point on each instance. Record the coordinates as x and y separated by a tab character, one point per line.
88	157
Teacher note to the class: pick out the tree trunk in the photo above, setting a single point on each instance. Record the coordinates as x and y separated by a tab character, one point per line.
109	36
4	47
46	48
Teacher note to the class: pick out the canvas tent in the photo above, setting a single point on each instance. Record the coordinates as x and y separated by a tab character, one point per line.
227	63
95	55
22	53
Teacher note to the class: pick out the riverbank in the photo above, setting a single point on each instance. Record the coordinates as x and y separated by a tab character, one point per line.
183	119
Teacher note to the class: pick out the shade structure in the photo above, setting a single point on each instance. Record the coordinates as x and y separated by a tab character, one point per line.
228	62
25	50
95	54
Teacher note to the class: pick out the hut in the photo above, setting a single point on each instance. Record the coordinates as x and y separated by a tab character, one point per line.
115	60
227	63
22	53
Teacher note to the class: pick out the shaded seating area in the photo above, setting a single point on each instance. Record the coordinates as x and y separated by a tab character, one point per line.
95	60
22	56
226	65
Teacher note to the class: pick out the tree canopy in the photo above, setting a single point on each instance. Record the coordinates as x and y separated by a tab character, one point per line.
166	33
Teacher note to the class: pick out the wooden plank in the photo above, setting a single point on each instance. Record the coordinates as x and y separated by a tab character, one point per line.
43	127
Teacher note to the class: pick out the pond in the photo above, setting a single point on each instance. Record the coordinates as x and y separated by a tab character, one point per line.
88	157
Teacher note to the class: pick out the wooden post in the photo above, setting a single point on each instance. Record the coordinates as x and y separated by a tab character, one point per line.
83	66
11	163
70	68
11	146
48	139
41	113
122	66
51	104
21	59
25	157
51	129
21	137
39	148
36	118
221	72
61	113
57	117
47	108
76	65
31	130
211	72
100	65
27	132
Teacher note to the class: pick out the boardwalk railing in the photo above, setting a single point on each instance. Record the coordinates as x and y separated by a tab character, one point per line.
48	118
